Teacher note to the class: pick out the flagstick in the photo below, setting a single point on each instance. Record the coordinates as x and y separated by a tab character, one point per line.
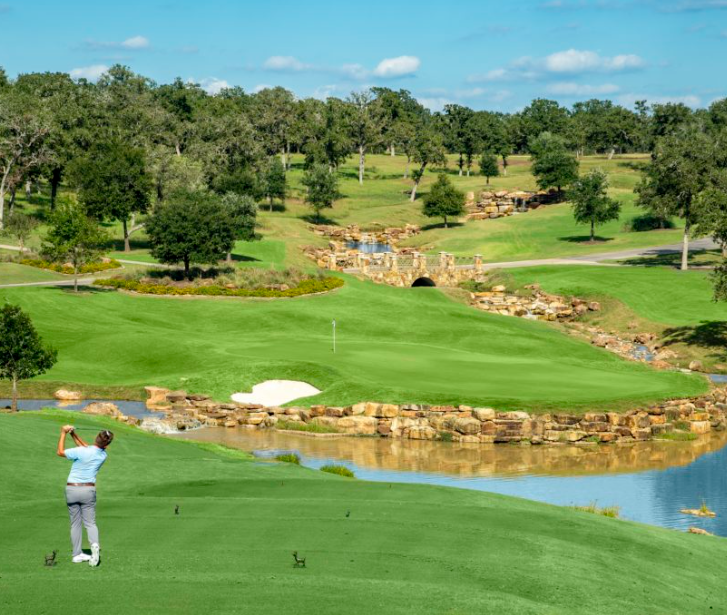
334	337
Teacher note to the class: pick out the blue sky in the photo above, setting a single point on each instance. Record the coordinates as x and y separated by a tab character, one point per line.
487	55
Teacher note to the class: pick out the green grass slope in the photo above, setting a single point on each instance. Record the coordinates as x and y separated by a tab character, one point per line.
661	295
403	549
395	345
12	273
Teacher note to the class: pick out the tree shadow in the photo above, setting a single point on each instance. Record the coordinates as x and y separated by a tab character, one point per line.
436	225
634	165
313	219
585	239
117	245
277	207
84	288
707	334
241	258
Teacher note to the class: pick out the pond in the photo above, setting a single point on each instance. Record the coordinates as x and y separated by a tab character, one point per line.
369	248
649	481
137	409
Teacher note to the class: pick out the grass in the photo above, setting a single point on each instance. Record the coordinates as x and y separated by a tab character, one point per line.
393	345
677	436
13	273
403	549
660	295
338	470
612	512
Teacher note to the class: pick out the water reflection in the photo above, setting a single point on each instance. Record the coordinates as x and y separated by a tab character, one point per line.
129	408
369	248
650	481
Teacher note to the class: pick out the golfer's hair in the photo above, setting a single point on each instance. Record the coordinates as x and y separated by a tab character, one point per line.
104	438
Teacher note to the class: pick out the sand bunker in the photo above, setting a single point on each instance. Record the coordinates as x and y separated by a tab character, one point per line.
276	392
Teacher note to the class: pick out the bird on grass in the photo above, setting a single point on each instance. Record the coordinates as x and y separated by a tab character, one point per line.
50	560
348	513
299	561
176	509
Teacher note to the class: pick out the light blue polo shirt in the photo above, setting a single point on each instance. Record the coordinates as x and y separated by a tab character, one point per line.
87	461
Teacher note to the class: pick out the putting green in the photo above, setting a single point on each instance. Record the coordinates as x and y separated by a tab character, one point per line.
401	549
396	345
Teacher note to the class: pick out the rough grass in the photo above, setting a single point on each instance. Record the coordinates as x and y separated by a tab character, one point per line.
606	511
393	345
403	549
338	470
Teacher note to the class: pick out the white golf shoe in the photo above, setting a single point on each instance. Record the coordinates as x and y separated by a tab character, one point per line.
95	555
83	557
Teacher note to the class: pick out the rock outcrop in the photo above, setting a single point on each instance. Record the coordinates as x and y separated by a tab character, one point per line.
65	395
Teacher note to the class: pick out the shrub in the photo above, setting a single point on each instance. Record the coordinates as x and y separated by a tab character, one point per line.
288	458
67	269
305	287
340	470
647	222
445	436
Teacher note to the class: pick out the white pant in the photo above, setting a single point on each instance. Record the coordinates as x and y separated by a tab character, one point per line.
81	503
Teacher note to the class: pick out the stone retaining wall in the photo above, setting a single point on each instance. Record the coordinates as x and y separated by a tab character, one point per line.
538	306
503	203
456	423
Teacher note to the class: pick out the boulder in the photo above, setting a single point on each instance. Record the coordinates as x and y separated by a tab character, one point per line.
176	396
102	408
700	427
468	426
696	366
484	414
65	395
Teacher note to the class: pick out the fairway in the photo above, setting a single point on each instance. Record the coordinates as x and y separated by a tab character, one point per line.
394	345
372	547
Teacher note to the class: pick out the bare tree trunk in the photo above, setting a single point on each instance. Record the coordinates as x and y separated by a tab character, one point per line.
75	277
186	267
685	247
445	221
361	163
283	159
416	183
14	405
55	181
177	149
393	150
461	164
504	166
611	152
228	258
593	231
271	204
28	189
11	209
724	250
406	168
127	244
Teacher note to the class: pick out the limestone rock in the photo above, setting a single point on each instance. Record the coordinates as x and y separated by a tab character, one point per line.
484	414
66	395
696	366
102	408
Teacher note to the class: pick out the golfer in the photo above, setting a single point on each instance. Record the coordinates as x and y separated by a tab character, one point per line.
81	489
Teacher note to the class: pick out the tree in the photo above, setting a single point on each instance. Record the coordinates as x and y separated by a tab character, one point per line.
24	126
273	112
428	149
711	212
73	236
242	212
443	200
274	182
457	118
488	165
325	138
590	201
366	121
321	188
113	183
21	227
191	227
553	165
677	172
22	352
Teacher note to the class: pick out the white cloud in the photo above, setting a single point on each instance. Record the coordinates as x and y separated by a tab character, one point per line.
92	73
566	88
397	67
135	42
386	69
436	103
471	93
325	91
690	100
213	85
286	64
570	62
262	86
